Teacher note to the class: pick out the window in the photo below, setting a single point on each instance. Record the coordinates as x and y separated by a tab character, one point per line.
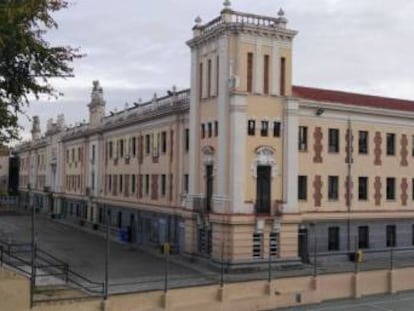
302	187
217	74
216	128
390	188
163	185
134	146
186	182
203	130
249	72
121	183
210	129
251	127
187	139
282	76
109	182
362	188
164	142
412	189
93	153
93	180
363	142
209	78
147	184
265	128
303	138
276	129
412	235
73	155
67	156
200	81
333	238
257	244
121	148
391	236
363	237
266	64
390	144
147	144
412	145
133	183
274	243
111	149
333	187
79	153
333	143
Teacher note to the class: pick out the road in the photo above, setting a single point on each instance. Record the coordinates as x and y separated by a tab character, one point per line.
397	302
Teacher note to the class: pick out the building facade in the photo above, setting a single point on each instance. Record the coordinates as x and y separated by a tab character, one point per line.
242	166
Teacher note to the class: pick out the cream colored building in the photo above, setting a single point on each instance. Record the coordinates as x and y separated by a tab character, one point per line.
242	166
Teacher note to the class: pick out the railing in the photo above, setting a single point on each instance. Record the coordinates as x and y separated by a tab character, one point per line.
8	200
46	265
242	19
200	204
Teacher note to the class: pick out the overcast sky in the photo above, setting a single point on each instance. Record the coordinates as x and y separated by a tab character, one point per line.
137	47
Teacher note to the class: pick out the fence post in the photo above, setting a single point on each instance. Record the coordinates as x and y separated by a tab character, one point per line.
66	273
269	272
222	265
166	273
315	255
356	270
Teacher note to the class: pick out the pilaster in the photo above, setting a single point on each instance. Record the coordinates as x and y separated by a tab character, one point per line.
194	158
221	193
290	156
238	153
275	71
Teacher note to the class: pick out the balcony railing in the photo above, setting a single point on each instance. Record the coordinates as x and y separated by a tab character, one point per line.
200	204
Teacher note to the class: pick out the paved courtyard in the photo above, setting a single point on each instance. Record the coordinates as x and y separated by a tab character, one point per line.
130	269
398	302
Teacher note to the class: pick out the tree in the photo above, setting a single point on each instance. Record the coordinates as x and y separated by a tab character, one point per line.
27	60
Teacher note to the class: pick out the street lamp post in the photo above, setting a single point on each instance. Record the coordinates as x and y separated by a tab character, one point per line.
106	289
33	246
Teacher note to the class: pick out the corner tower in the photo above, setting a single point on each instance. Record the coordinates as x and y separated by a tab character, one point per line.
97	105
241	77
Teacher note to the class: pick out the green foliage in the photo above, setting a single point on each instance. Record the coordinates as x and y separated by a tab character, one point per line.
27	60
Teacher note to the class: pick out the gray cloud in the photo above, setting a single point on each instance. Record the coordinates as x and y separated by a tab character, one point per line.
138	47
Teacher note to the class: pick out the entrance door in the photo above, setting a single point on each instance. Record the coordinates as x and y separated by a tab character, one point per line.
209	186
303	245
132	229
263	189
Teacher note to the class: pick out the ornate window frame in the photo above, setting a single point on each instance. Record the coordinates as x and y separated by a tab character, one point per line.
265	156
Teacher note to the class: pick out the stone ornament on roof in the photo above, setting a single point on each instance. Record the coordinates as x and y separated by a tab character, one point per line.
97	92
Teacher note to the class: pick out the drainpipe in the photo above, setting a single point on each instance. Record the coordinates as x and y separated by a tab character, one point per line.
349	181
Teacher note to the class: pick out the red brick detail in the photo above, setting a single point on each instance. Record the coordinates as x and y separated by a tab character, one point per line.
377	191
154	187
377	149
404	150
404	194
318	147
127	186
317	187
352	99
349	146
349	185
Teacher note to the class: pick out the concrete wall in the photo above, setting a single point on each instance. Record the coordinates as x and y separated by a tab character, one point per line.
256	295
